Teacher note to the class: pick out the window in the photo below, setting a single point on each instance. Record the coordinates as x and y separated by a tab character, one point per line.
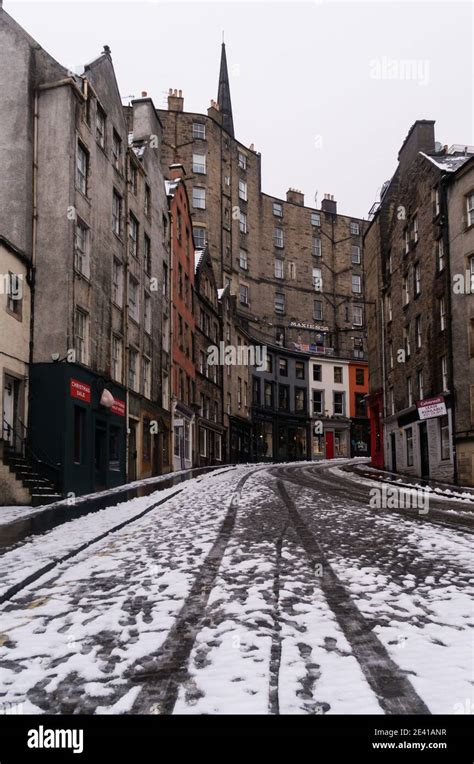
406	240
243	262
300	399
147	204
147	254
199	164
147	312
229	401
391	402
338	375
269	364
199	235
444	437
133	303
406	290
356	284
410	391
317	279
316	246
470	209
100	126
279	268
291	270
117	150
132	369
243	190
389	307
355	254
299	370
81	249
242	161
283	367
117	356
436	207
81	335
406	340
440	255
390	354
133	236
357	315
199	131
360	376
442	314
414	229
318	402
242	222
419	383
117	213
278	237
359	404
277	209
134	178
354	228
15	294
279	303
147	378
444	373
79	426
409	446
218	446
82	166
316	219
338	404
239	392
117	283
317	372
283	397
268	395
417	279
199	198
244	294
318	310
418	334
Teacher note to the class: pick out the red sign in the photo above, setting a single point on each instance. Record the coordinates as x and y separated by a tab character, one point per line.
80	390
118	407
431	407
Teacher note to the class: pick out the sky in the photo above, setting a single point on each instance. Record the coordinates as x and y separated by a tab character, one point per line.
325	90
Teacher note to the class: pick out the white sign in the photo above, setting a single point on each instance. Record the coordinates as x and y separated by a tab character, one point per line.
431	407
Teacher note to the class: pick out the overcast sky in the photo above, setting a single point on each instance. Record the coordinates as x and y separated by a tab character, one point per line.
325	90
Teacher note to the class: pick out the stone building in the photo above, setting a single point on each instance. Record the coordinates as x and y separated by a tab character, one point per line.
236	387
297	271
460	214
88	211
210	434
183	374
412	397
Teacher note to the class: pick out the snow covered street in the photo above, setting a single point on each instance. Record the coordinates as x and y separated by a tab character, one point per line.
259	590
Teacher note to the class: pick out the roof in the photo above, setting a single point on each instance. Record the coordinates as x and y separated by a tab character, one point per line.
447	162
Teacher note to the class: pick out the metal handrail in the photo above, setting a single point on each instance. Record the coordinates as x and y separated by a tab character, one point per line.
24	447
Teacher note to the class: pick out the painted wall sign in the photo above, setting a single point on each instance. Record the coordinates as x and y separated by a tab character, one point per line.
80	390
118	407
431	407
306	325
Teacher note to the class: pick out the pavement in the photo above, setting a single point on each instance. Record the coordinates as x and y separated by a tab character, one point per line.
267	589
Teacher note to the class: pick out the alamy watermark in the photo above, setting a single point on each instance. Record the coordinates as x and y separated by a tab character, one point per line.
415	69
242	355
392	497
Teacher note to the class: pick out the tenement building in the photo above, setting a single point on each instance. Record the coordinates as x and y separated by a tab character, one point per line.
82	197
297	272
418	247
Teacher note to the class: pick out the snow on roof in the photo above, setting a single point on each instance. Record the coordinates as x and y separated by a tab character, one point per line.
198	255
171	186
447	162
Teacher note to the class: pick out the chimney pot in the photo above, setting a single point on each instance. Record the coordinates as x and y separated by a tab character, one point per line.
144	94
175	101
295	197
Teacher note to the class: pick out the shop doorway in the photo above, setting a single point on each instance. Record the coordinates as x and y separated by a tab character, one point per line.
132	450
10	412
100	455
329	445
424	454
393	451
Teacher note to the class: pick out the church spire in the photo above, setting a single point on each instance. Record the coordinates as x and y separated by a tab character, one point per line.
223	95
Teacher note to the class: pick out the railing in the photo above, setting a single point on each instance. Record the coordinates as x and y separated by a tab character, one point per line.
19	443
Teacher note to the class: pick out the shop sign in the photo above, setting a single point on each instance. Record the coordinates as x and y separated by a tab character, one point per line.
80	390
431	407
118	407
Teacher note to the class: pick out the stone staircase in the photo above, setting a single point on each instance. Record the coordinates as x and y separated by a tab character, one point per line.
36	487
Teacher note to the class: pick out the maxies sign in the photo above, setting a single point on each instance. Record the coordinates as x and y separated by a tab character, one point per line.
82	391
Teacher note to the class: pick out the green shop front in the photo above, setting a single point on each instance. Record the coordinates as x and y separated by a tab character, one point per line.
77	427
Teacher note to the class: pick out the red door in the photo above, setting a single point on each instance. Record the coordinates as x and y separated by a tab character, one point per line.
329	445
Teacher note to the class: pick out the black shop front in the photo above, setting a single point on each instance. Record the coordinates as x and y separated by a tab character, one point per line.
77	427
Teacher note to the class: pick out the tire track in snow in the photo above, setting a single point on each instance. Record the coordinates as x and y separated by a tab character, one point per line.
394	692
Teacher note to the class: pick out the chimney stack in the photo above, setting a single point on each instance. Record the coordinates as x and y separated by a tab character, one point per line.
176	171
295	197
175	100
329	204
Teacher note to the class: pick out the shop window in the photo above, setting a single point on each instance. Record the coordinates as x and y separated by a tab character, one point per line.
114	449
444	437
409	446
